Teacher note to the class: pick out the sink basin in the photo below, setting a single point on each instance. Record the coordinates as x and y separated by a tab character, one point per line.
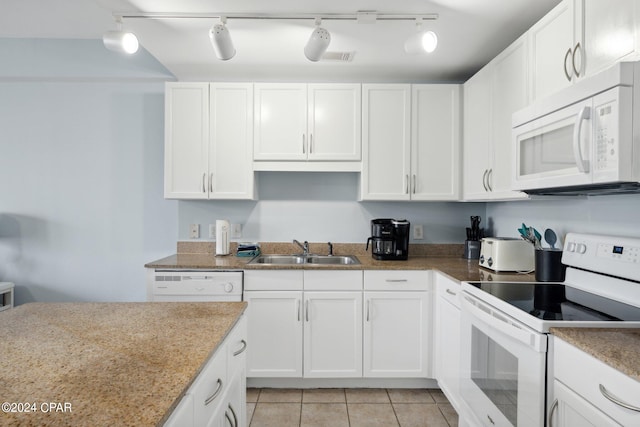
278	259
332	260
308	259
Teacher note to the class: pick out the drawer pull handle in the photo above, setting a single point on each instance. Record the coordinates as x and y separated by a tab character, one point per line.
235	417
242	349
450	292
368	308
606	393
226	415
215	394
396	280
553	409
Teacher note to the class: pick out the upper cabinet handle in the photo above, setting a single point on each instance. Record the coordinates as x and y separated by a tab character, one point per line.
484	179
577	49
211	183
304	149
204	179
489	179
414	183
310	143
566	72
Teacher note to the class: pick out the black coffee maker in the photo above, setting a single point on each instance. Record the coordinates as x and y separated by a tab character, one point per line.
389	239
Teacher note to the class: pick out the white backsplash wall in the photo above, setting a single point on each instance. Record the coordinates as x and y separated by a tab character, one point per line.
614	215
321	207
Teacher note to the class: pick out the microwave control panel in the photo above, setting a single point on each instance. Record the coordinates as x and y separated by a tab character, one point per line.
606	139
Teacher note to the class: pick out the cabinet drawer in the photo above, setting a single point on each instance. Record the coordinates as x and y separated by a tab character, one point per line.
273	280
396	280
209	387
586	375
336	280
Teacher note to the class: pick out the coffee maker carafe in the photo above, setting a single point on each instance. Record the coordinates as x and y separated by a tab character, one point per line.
389	239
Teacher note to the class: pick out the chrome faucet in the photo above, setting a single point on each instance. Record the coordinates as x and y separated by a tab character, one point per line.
304	247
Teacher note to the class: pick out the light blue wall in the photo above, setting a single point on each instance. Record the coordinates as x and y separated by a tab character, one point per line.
321	207
614	215
81	155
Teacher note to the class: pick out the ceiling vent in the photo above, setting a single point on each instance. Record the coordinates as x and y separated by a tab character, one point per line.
338	56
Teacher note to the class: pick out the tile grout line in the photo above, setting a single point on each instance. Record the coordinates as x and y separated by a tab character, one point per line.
393	408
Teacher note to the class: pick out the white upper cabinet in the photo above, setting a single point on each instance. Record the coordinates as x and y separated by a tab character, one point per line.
208	140
386	136
186	148
435	142
491	96
556	49
300	122
231	141
580	38
410	142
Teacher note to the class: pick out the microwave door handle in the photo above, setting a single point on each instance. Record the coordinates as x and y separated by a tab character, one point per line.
581	163
487	315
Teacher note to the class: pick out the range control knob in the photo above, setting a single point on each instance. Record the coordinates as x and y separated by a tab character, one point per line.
581	248
228	287
571	247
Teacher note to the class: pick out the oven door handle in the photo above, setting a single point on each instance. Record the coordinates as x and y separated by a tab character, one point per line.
499	322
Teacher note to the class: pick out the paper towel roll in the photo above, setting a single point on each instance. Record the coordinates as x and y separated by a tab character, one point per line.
222	236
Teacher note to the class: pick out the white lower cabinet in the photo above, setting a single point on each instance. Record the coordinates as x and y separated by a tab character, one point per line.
219	391
397	337
320	324
447	337
588	392
333	334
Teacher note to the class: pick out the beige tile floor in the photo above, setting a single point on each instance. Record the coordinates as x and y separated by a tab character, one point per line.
349	408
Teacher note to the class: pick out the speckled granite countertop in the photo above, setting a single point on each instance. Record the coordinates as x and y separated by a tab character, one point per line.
124	364
618	348
444	258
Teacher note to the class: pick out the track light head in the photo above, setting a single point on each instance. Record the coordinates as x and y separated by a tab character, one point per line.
318	43
221	41
421	42
120	41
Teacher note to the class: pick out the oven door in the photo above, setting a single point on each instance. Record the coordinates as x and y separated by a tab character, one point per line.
502	367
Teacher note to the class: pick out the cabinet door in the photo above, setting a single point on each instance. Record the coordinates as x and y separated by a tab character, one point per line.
182	416
447	338
435	142
274	333
397	334
280	122
334	121
333	334
572	410
231	141
385	142
610	32
552	43
186	140
509	94
477	121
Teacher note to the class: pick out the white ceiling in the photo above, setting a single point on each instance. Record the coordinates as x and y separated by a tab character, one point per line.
470	33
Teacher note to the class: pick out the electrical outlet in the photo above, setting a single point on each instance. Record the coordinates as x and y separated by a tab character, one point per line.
418	232
194	231
212	231
236	231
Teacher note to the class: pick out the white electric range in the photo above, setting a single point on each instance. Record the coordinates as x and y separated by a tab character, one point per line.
505	326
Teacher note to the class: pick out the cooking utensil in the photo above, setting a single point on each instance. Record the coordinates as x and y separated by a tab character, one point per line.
550	237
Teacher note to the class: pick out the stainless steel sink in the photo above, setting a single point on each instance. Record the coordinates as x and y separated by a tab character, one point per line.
305	259
278	259
332	260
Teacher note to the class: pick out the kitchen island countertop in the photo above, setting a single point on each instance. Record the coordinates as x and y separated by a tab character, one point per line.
618	348
105	364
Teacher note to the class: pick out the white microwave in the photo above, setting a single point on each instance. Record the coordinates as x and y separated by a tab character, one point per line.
583	140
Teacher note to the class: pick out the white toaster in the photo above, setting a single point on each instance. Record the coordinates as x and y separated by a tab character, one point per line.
507	254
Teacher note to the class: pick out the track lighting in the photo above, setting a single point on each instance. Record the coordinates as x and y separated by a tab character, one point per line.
422	41
120	41
221	40
318	42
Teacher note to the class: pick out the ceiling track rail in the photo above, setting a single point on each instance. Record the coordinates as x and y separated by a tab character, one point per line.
363	16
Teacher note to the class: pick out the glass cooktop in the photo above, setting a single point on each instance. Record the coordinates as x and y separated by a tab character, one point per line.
551	301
